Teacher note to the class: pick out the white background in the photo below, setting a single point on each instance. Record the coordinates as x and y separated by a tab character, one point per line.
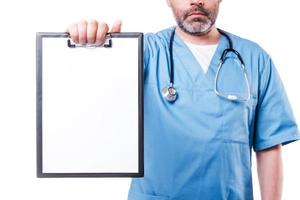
271	23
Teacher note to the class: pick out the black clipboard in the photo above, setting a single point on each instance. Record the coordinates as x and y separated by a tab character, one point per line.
102	133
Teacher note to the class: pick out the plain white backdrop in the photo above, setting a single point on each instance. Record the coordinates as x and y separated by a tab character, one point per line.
271	23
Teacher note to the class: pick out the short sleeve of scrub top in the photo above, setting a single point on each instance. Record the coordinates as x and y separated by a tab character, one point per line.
274	123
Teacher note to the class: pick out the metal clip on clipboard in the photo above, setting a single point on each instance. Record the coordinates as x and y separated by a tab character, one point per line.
107	43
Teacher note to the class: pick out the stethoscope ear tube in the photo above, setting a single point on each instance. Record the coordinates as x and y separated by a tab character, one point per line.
226	51
169	92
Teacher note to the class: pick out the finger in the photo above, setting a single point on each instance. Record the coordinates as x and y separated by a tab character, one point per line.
82	30
92	31
73	31
101	33
116	28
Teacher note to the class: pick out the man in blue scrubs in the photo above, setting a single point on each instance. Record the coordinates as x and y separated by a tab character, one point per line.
199	147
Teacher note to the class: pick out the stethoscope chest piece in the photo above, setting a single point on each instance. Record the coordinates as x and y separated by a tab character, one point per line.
169	93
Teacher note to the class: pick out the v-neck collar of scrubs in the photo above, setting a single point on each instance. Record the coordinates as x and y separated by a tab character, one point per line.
192	66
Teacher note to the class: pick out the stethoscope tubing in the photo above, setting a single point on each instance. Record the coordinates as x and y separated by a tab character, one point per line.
170	93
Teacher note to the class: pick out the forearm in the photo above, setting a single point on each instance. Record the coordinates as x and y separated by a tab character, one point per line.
270	176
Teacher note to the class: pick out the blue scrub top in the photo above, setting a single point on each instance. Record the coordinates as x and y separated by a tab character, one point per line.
199	147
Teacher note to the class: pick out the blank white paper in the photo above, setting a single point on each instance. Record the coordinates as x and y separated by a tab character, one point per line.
90	107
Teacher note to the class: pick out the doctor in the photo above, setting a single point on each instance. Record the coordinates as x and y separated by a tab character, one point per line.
203	119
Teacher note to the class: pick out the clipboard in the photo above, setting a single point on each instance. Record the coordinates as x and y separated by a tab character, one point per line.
89	106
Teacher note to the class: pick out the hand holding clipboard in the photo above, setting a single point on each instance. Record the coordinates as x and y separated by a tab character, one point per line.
91	32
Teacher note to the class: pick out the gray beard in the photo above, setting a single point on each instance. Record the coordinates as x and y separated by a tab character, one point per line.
199	29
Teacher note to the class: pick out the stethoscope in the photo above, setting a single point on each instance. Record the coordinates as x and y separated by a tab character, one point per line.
169	92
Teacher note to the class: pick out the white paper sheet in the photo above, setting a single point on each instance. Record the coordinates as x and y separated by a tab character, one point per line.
90	107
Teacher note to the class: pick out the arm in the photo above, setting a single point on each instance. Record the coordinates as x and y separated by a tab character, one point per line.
270	176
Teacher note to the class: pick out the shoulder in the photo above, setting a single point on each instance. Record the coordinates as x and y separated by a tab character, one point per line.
248	46
253	54
158	39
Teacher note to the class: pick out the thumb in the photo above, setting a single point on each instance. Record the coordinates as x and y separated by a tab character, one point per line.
116	27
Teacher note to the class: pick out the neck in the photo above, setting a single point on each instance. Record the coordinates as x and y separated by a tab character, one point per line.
211	37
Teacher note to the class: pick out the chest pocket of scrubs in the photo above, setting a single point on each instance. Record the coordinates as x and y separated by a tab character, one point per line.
238	118
237	115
